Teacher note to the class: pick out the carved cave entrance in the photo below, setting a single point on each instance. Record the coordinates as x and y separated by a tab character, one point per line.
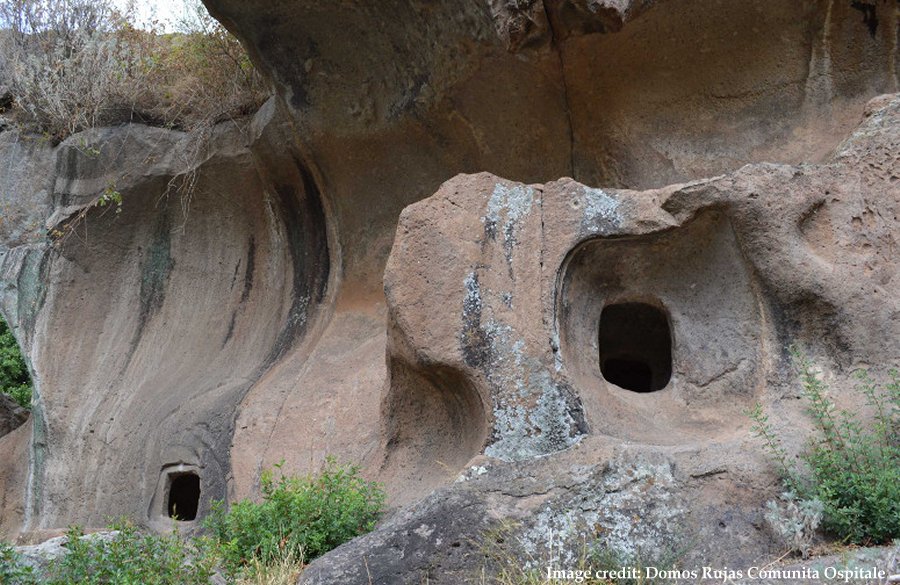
184	496
635	344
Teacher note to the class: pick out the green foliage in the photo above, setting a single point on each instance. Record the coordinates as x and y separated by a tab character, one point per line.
130	558
304	516
110	196
14	379
12	571
853	470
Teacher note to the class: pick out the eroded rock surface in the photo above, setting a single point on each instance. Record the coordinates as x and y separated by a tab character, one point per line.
189	319
329	288
527	272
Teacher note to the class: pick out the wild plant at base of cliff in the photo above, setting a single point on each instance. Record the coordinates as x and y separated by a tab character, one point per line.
130	557
12	570
304	516
281	571
853	472
795	521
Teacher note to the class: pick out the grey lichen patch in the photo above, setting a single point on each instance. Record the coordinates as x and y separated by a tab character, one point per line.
472	472
641	515
533	415
601	212
507	208
627	507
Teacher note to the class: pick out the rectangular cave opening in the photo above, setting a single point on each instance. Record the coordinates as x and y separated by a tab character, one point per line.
635	343
184	496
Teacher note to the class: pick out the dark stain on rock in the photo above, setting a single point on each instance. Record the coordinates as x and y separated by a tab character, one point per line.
237	268
304	223
475	342
248	275
285	56
156	267
870	15
32	290
230	331
490	230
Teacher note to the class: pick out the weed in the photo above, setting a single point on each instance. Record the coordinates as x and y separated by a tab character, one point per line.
302	516
12	570
853	471
130	557
794	520
110	196
281	571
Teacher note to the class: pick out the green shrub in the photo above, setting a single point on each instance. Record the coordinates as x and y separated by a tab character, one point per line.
130	558
852	470
12	571
14	379
306	516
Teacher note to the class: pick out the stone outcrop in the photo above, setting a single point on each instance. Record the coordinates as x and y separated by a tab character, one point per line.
151	392
11	415
497	353
334	286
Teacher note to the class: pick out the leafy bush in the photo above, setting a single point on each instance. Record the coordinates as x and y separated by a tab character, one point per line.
303	516
130	558
14	379
853	471
12	571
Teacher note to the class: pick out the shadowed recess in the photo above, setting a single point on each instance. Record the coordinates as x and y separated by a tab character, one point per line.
184	497
635	347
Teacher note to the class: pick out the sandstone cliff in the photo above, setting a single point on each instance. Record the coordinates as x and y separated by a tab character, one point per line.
336	286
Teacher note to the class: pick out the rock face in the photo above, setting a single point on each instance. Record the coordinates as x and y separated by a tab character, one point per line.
11	415
151	393
503	352
717	173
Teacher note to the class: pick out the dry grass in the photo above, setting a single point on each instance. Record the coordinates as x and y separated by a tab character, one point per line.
283	571
506	565
77	64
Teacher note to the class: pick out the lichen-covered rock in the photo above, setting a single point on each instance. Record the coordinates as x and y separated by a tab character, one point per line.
41	556
496	352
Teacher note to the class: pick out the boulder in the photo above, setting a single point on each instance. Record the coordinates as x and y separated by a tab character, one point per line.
12	416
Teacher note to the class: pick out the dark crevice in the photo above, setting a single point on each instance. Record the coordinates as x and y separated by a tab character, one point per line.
557	44
870	15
